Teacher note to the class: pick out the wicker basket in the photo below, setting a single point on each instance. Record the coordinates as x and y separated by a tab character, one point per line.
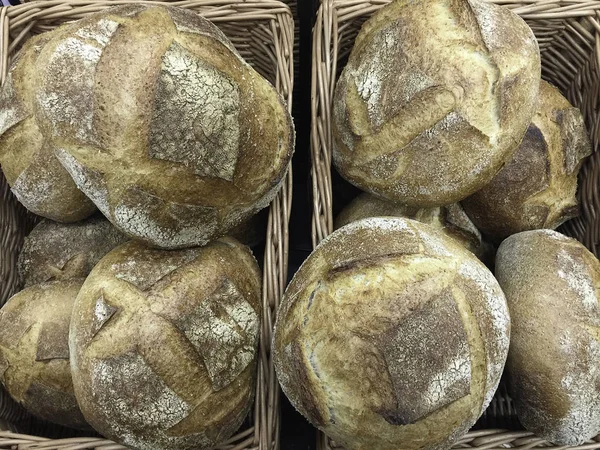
263	32
568	32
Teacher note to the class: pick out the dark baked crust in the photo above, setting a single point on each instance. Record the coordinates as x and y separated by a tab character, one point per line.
34	330
391	335
552	284
187	323
183	139
434	99
536	188
55	251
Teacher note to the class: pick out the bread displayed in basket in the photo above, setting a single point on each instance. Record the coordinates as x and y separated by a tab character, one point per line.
552	285
536	189
391	335
451	219
160	122
164	344
27	158
34	351
56	251
434	99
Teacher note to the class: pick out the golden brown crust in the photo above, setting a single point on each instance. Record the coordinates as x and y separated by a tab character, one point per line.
55	251
181	140
536	189
552	285
391	335
36	178
34	351
187	323
451	219
425	123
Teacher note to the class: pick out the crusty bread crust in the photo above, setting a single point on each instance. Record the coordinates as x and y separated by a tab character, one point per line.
552	284
391	335
451	219
56	251
435	97
536	188
185	325
34	351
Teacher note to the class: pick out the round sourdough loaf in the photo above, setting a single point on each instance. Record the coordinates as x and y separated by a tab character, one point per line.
552	285
34	351
56	251
164	344
451	219
391	335
27	158
536	188
160	122
435	97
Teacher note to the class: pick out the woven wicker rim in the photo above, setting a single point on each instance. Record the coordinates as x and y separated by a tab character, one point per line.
263	33
568	32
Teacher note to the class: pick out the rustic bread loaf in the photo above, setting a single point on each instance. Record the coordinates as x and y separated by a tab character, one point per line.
160	122
391	335
451	219
435	97
164	344
27	158
34	351
536	188
552	285
56	251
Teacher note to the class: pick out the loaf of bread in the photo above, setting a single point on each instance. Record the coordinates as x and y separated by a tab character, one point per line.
436	96
34	351
552	286
164	344
27	158
451	219
161	123
536	189
56	251
391	335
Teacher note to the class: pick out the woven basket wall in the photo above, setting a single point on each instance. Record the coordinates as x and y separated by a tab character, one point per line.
263	32
568	32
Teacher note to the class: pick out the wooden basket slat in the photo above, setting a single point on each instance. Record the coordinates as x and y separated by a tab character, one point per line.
263	32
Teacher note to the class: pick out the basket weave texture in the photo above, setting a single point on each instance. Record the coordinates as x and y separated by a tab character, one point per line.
568	33
263	33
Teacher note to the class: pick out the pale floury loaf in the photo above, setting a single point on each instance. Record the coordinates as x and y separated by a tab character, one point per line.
161	123
435	97
57	251
27	158
451	219
536	188
164	344
391	335
34	351
552	286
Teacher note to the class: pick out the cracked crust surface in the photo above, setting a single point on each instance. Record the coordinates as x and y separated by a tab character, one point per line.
391	335
34	351
451	219
185	324
552	286
171	134
425	123
55	251
536	188
34	174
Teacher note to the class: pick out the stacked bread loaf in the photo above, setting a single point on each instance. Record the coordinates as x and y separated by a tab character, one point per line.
393	334
143	138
